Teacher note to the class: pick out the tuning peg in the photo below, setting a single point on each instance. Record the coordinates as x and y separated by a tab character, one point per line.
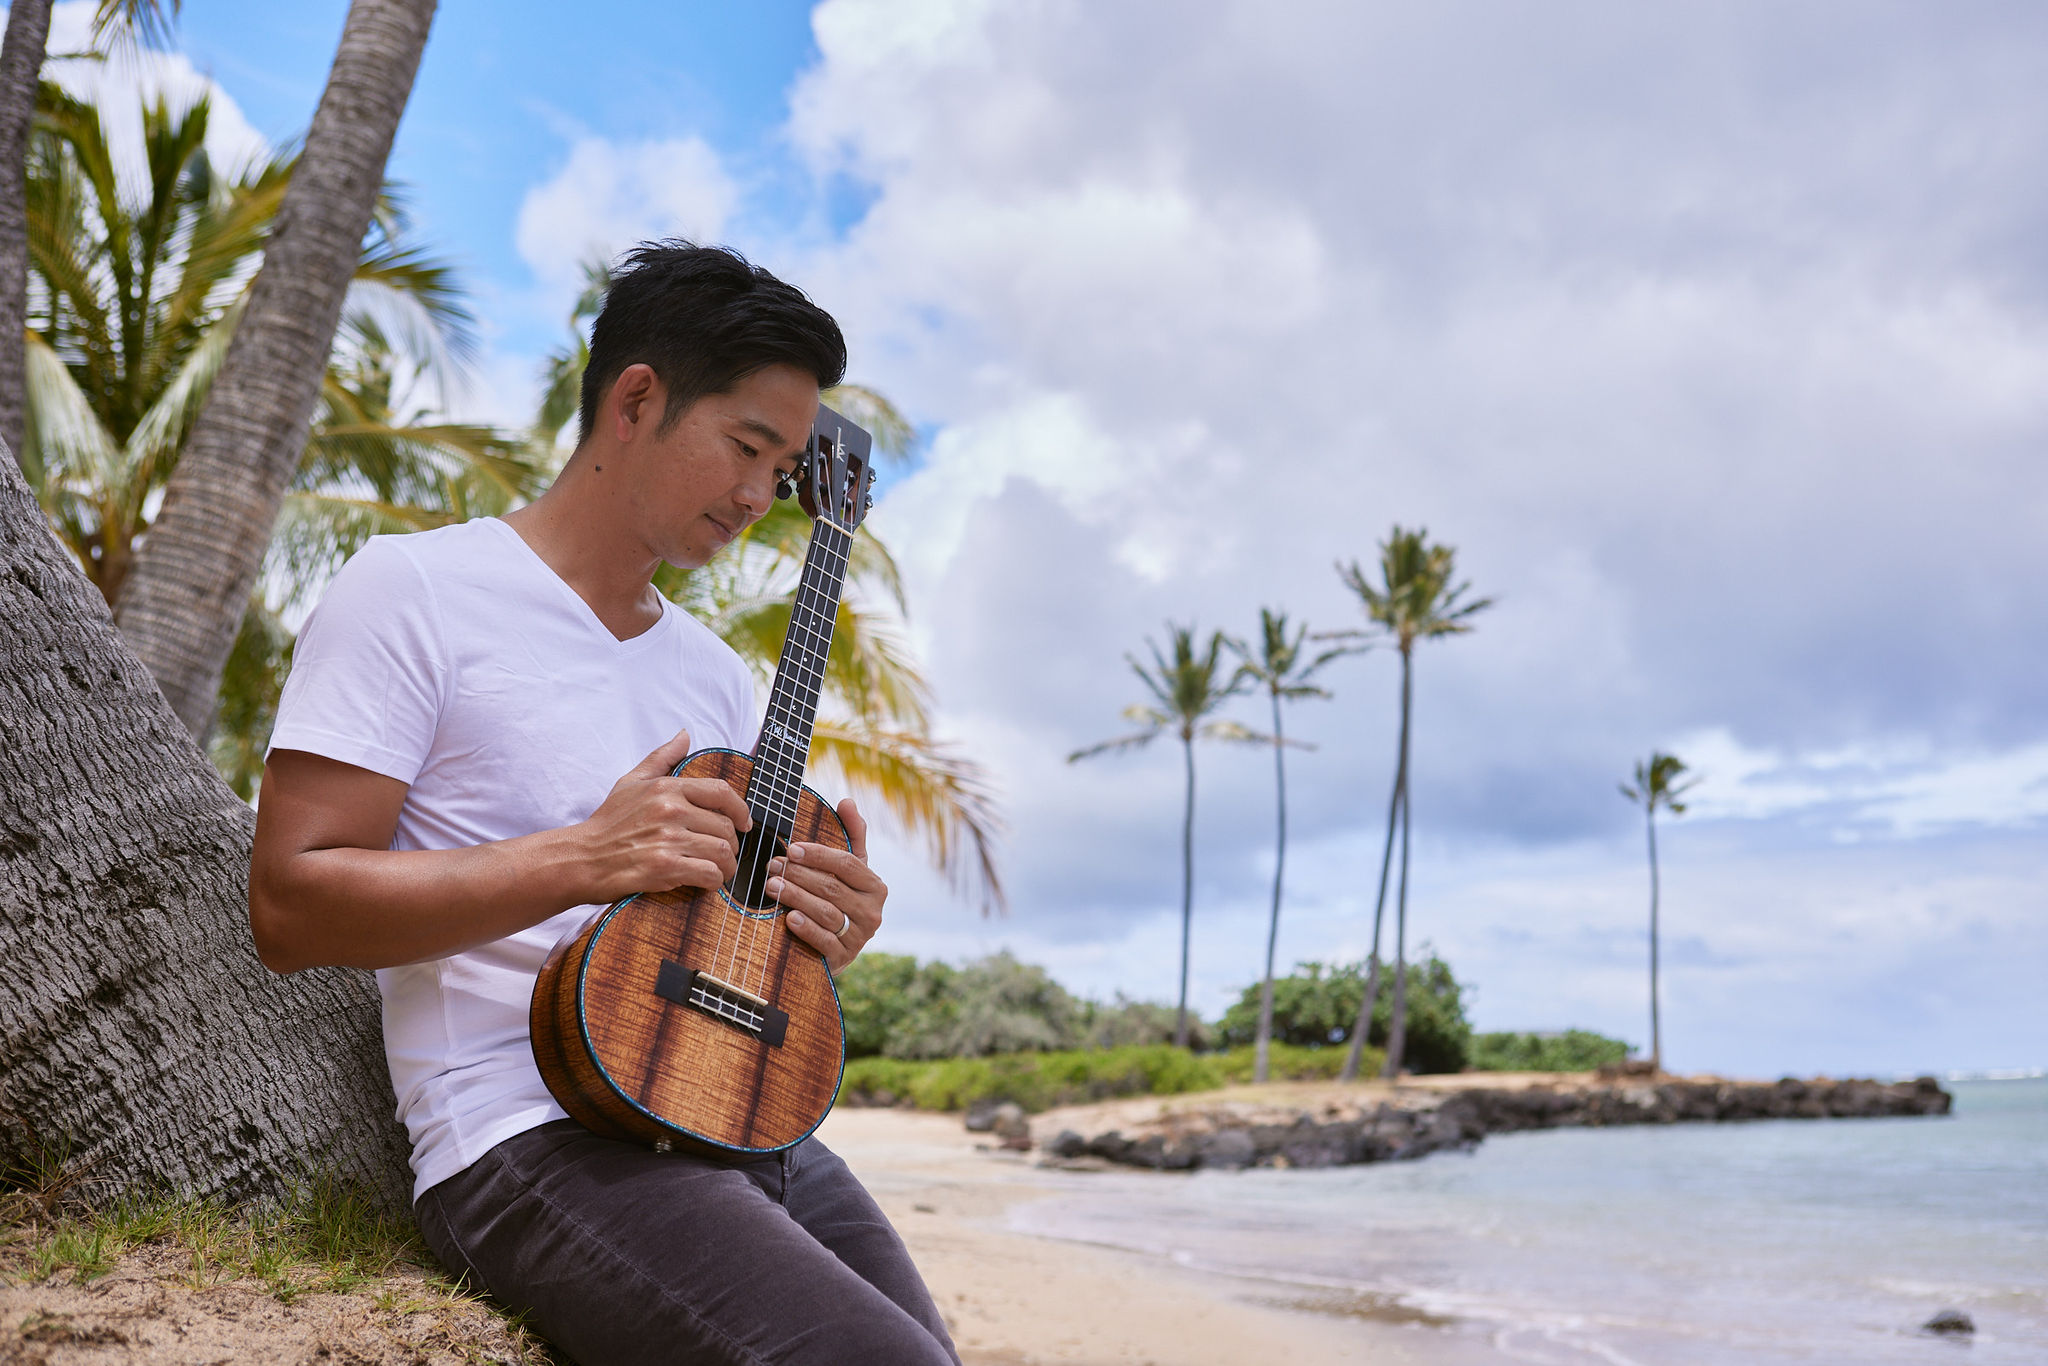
785	487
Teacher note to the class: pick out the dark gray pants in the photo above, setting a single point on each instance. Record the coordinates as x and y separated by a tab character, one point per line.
626	1256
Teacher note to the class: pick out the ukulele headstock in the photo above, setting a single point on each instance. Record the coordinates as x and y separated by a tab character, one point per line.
835	479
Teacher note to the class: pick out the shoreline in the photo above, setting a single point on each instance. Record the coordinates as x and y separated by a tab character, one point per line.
1323	1124
1013	1298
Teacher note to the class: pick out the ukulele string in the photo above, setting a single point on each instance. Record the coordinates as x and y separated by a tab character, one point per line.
807	673
809	648
774	759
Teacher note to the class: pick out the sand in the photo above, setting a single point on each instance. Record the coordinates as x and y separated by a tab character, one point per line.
1013	1298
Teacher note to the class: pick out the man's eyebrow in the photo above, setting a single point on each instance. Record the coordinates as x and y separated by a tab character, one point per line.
762	429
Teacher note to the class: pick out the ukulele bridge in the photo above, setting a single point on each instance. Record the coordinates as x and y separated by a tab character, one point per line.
722	1001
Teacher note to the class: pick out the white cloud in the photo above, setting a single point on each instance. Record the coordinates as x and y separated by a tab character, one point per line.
130	76
1711	342
608	196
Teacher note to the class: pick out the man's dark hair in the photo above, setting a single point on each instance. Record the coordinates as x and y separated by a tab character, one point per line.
703	318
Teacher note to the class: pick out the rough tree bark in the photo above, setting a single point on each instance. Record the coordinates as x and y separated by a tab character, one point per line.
21	62
136	1023
192	579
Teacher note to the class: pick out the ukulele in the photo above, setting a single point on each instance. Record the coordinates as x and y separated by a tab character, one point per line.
693	1017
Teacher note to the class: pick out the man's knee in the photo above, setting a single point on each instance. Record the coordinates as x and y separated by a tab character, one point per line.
877	1340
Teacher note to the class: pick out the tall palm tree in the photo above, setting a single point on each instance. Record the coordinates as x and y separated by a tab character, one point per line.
1414	600
21	64
1280	668
138	284
1186	690
192	578
875	728
1657	784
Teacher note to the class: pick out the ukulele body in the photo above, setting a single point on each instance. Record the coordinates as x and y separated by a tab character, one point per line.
691	1018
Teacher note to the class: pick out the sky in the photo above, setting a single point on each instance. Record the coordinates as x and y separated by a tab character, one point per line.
1714	337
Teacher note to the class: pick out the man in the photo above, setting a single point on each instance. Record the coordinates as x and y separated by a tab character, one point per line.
443	803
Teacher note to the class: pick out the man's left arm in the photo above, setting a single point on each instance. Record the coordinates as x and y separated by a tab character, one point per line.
834	898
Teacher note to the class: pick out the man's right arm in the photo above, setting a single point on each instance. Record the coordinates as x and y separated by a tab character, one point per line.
326	888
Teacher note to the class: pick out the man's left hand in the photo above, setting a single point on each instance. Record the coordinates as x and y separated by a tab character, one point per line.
834	898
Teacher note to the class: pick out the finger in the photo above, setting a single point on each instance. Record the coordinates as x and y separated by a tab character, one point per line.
715	794
840	863
665	757
704	873
856	828
688	817
834	893
838	952
721	854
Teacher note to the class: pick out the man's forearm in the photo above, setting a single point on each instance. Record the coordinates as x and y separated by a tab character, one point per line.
379	908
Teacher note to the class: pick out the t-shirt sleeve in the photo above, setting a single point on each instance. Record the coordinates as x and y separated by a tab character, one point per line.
371	668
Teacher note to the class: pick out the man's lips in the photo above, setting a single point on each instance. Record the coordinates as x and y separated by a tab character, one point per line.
725	533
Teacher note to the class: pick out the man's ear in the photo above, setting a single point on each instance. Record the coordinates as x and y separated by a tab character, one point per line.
635	402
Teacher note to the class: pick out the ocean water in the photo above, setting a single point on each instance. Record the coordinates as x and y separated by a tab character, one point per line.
1689	1245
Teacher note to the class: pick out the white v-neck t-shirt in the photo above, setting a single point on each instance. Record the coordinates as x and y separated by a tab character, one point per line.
457	662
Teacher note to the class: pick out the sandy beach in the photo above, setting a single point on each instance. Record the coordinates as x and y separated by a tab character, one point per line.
1013	1298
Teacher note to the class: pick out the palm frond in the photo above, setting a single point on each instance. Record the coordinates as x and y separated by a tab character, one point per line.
930	788
1116	746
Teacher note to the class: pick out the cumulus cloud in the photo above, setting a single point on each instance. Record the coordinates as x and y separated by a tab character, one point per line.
608	196
1713	339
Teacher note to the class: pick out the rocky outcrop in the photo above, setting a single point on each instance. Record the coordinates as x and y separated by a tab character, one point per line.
1414	1123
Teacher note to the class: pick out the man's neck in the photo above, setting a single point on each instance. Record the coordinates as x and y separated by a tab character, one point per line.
580	529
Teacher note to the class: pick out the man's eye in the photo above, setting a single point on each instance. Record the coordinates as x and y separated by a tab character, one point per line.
746	450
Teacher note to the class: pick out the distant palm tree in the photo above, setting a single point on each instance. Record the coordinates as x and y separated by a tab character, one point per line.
1415	600
1187	689
1279	668
1657	785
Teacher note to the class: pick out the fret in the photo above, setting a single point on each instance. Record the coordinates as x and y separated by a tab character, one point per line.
786	730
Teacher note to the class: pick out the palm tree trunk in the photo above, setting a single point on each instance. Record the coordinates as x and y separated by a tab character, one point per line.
1363	1026
192	579
1265	1044
1397	1026
136	1023
1187	892
1656	1029
21	65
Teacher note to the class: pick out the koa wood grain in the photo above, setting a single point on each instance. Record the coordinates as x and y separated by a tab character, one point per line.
635	1048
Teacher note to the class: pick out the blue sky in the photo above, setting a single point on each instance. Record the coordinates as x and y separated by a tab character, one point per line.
1716	340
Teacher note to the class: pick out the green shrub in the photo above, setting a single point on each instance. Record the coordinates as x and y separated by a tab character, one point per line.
896	1007
1291	1062
1317	1006
1575	1050
1040	1081
1123	1023
878	992
1036	1081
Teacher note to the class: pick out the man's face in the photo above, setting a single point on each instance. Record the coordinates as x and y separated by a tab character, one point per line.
713	473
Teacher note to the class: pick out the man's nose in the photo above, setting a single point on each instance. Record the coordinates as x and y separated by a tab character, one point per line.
756	495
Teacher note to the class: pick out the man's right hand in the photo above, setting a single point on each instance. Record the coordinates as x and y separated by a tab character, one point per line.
655	831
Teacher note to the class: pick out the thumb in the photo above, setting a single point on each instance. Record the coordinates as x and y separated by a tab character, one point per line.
666	756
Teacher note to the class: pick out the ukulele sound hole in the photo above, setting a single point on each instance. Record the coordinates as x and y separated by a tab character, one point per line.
746	886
